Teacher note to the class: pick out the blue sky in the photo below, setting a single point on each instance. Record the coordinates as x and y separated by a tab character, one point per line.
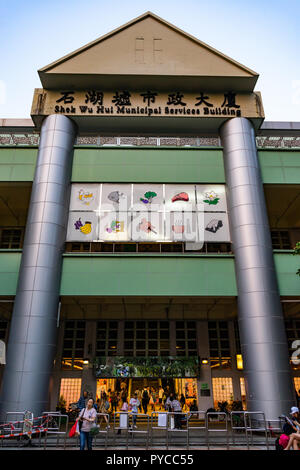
263	35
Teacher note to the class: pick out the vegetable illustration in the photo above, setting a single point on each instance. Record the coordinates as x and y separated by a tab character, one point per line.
149	195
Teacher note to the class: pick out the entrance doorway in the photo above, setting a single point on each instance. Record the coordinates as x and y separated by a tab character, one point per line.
158	389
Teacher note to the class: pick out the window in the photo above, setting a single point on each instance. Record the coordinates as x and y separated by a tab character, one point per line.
220	356
222	390
297	384
292	328
107	338
237	337
3	330
11	238
186	338
146	338
73	345
280	240
243	392
70	390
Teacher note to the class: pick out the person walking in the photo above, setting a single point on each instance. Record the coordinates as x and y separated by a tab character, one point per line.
133	407
103	407
87	417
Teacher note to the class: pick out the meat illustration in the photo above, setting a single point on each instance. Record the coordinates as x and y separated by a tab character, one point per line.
214	225
180	197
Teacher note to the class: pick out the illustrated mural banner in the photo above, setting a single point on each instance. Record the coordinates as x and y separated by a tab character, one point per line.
148	212
162	366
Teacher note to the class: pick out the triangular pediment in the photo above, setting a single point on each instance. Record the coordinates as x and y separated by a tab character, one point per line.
145	48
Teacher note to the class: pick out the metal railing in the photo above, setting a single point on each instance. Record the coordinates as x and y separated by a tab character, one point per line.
181	429
102	418
256	424
178	422
216	422
56	422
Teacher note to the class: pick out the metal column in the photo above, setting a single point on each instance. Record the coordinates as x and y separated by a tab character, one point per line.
263	339
33	330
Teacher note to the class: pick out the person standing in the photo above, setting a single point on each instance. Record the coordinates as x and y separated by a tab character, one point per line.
87	417
82	400
153	399
176	408
124	409
139	397
114	402
160	396
133	407
182	401
145	400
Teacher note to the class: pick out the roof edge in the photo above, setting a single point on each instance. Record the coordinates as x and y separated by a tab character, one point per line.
134	21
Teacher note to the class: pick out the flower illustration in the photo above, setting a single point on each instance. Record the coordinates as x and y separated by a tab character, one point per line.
211	198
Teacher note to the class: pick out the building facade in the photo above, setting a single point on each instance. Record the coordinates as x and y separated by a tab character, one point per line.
148	216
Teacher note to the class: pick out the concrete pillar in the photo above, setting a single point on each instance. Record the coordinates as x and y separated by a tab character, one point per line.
32	340
204	402
263	340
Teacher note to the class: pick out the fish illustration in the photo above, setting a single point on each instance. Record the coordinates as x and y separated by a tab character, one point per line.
115	196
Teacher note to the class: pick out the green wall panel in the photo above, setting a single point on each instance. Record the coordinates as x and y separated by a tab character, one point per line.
17	164
148	165
9	271
151	275
287	265
280	166
186	165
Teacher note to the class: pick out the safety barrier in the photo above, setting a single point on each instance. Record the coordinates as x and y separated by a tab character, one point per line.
27	427
131	423
55	422
102	418
237	424
220	422
256	423
197	422
182	429
178	422
159	422
136	428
